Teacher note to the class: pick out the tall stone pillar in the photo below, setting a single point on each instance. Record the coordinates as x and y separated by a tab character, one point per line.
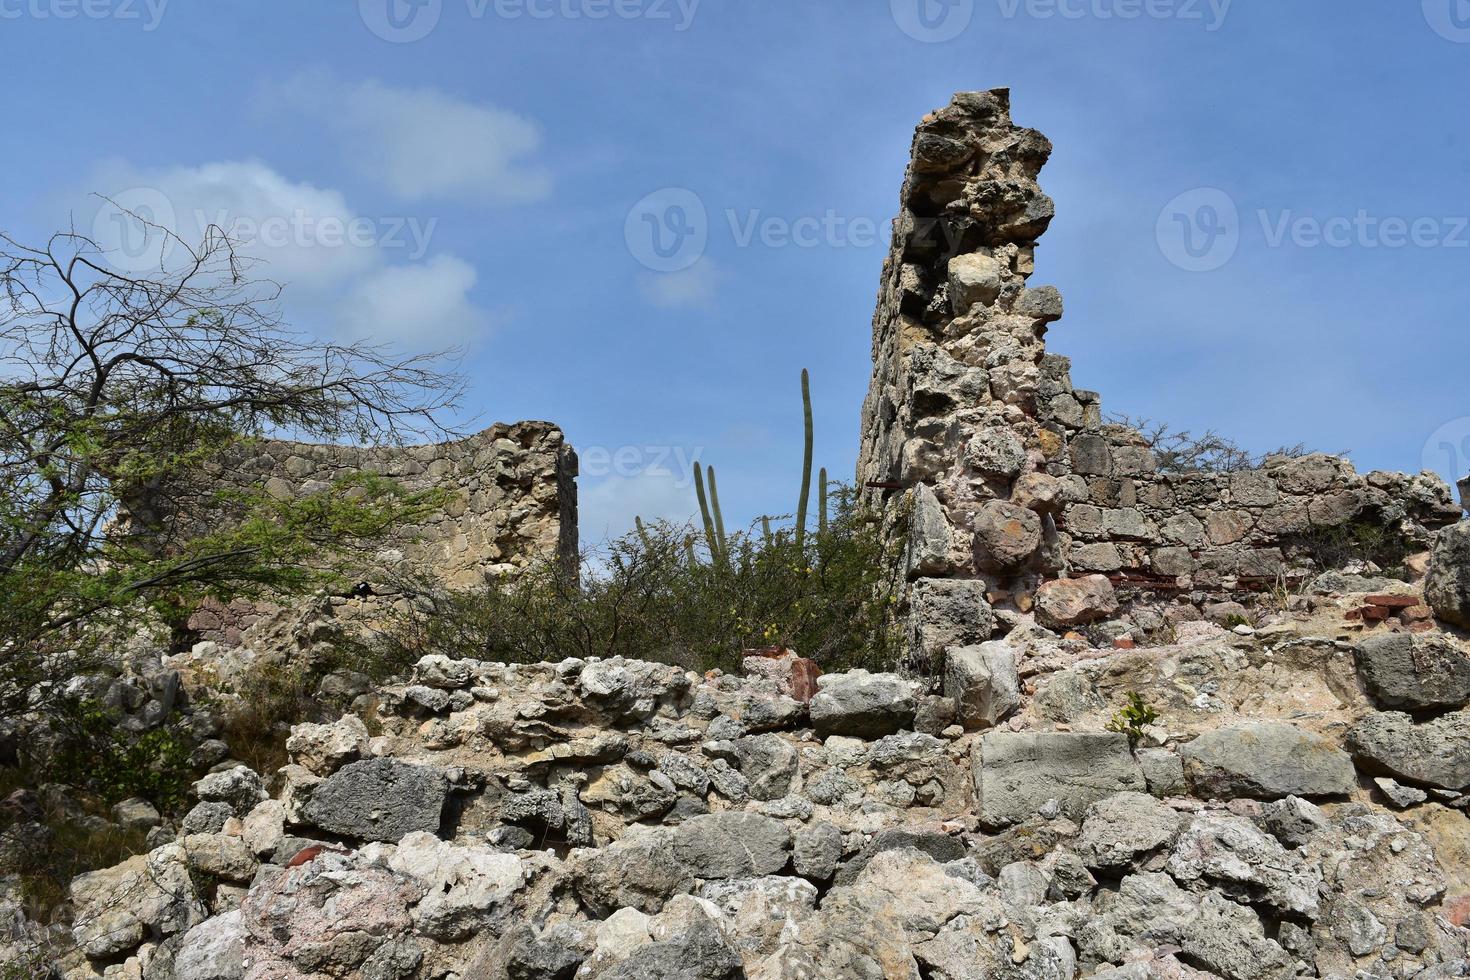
953	446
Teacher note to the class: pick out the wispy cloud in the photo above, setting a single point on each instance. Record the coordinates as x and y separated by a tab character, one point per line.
422	143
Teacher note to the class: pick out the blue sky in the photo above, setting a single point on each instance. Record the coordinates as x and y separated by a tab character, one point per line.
486	160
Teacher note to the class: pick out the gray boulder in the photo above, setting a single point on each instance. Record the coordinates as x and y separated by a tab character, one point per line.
941	847
378	800
1122	828
1447	585
947	613
239	787
1267	760
639	872
862	705
700	952
1018	774
768	763
816	849
1244	862
212	950
732	845
1436	753
1293	821
983	683
1414	672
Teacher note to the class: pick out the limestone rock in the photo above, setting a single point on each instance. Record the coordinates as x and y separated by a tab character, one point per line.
150	894
463	885
1414	672
1436	753
974	278
1067	602
324	749
240	788
1267	760
768	763
1006	534
862	705
212	950
732	845
1233	855
816	849
1017	774
1447	586
378	800
639	872
1117	830
983	682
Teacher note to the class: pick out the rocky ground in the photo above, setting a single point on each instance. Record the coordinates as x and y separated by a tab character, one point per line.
1295	808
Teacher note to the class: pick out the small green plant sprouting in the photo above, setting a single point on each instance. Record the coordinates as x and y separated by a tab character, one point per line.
1133	718
1236	619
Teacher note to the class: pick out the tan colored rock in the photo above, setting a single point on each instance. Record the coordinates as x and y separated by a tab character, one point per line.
1075	601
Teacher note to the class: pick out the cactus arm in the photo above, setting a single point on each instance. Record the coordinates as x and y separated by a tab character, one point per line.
709	525
714	506
806	462
822	503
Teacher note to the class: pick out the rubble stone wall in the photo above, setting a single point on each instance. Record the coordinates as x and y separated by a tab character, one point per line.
511	489
998	471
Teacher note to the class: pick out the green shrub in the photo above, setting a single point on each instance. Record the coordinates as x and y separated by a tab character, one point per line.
658	594
1368	538
97	755
1133	718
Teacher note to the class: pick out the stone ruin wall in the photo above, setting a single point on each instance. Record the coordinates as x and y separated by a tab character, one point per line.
998	472
512	497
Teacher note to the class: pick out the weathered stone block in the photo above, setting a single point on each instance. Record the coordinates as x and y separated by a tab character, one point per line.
1017	774
983	683
1267	760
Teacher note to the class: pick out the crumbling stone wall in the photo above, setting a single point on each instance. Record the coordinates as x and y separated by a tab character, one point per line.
999	473
512	497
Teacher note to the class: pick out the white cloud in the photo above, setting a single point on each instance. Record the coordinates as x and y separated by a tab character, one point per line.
421	143
691	288
291	228
426	303
370	278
